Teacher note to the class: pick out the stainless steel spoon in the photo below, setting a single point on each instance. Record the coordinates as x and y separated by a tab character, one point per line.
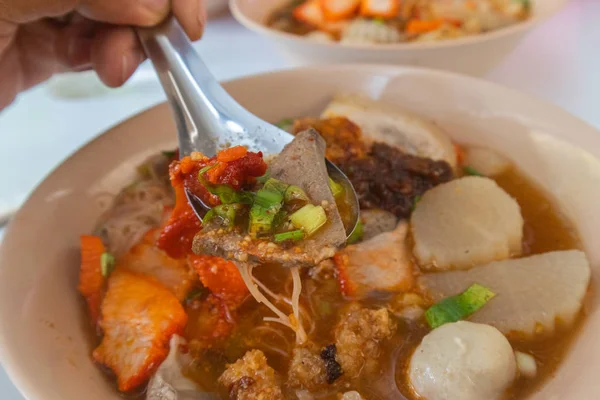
207	117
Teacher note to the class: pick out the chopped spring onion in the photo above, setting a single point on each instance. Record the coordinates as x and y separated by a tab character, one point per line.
336	188
416	201
285	123
226	193
280	218
295	194
357	234
265	177
458	307
107	264
196	293
267	204
275	185
169	153
379	21
293	235
226	212
268	198
472	171
526	4
309	218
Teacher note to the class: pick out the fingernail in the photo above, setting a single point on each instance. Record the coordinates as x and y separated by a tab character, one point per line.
201	18
201	14
129	62
125	63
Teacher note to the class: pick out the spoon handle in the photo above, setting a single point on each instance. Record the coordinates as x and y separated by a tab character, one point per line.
201	106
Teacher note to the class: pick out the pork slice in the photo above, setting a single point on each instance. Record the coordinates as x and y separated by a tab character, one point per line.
302	163
235	246
380	264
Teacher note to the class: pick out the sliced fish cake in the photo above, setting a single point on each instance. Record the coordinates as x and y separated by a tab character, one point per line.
531	293
466	222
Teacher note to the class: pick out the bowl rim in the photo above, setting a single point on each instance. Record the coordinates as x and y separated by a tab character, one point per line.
11	361
520	27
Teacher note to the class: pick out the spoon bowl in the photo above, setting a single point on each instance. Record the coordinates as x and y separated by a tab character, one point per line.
207	117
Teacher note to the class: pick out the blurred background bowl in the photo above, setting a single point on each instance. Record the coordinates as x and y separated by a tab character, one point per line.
474	55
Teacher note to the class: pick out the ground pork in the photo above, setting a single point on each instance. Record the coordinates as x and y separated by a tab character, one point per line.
251	378
358	336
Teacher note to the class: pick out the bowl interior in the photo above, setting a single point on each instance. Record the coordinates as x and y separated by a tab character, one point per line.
44	343
254	14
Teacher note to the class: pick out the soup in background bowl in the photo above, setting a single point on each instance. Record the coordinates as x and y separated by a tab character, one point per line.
45	335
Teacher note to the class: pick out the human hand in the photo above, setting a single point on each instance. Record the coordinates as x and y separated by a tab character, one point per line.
41	37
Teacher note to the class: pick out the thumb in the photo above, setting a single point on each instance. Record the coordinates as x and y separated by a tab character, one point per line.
125	12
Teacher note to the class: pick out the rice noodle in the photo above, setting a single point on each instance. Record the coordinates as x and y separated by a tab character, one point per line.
253	287
297	289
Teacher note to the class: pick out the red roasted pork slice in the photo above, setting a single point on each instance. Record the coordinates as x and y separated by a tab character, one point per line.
380	264
139	316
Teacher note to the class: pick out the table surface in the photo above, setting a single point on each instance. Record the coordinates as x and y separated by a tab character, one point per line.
558	62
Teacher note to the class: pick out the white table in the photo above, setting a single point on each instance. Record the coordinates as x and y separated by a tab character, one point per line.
558	62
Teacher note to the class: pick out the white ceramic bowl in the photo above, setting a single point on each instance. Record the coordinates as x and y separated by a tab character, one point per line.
473	55
44	345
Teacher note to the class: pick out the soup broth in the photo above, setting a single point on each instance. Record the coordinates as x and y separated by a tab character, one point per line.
546	229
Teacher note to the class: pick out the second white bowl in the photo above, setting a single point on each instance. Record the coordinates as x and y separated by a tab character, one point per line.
474	55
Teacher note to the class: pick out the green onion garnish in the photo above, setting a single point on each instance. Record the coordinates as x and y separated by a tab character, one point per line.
309	218
267	204
265	177
226	212
458	307
226	193
379	21
295	194
275	185
336	188
169	153
196	293
293	235
472	171
357	234
416	201
285	123
107	264
267	198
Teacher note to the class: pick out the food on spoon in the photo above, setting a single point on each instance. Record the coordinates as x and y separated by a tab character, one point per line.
463	360
380	264
466	222
532	293
293	219
410	20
